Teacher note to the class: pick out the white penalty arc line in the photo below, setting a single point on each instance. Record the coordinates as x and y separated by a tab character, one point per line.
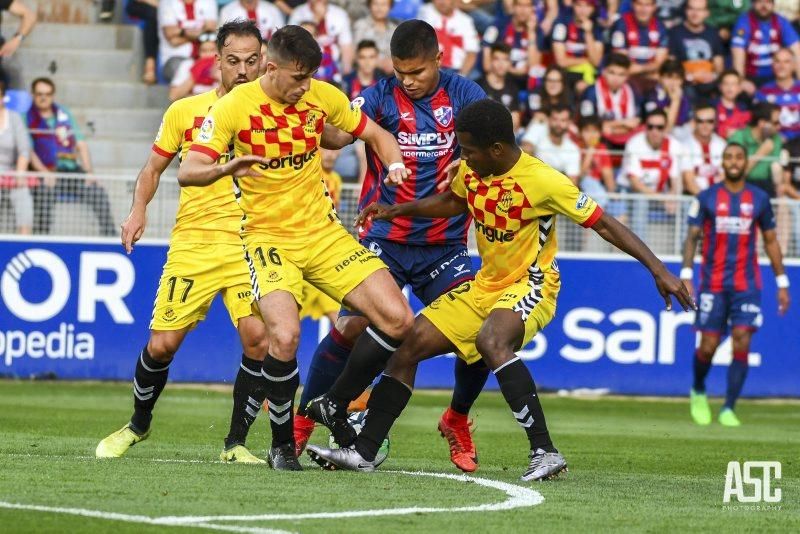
517	497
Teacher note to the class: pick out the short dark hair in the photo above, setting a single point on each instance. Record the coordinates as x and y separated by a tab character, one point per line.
590	121
500	47
366	43
558	107
295	44
671	67
729	72
619	60
762	111
45	80
704	105
738	145
488	122
413	39
239	28
658	112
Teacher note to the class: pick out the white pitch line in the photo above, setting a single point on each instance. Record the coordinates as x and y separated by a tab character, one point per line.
127	458
518	497
139	519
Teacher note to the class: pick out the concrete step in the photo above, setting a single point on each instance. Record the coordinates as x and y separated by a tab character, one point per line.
66	11
128	95
110	153
111	123
67	36
79	64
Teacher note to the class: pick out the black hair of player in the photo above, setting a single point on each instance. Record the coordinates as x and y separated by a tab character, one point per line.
619	60
500	47
734	144
488	122
294	44
239	28
671	67
762	112
414	39
658	112
366	43
590	121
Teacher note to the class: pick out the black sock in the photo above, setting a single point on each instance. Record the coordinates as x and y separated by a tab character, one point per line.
519	391
148	383
283	379
470	380
367	359
701	368
326	365
249	392
386	402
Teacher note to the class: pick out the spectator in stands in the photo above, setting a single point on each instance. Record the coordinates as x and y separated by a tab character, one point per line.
671	12
784	92
699	49
704	150
613	100
288	6
181	23
479	12
147	12
654	164
732	113
266	15
200	75
333	35
764	147
366	73
9	45
552	145
520	34
498	83
458	39
723	14
670	96
578	44
643	38
59	146
791	160
552	90
377	27
758	34
15	150
790	9
597	172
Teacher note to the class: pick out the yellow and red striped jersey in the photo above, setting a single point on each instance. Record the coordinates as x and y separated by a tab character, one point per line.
515	218
205	214
288	200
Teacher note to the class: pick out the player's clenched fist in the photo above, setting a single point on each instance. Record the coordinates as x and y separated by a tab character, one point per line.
375	211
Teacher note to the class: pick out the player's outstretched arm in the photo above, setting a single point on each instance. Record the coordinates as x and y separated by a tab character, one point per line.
773	250
689	249
146	187
200	169
621	237
335	139
440	206
385	146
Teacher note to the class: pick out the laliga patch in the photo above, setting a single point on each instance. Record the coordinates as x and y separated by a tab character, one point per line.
582	200
694	208
357	103
206	130
160	129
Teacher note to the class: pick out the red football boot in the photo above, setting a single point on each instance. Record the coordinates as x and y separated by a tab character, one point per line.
455	428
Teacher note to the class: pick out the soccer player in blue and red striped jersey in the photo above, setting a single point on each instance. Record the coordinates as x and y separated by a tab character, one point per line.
418	105
727	216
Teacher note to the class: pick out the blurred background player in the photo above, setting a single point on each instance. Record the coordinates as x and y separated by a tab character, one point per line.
205	258
727	215
419	105
515	199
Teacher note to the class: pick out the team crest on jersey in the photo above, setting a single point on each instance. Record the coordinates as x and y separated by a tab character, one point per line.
443	115
311	123
506	199
206	130
747	209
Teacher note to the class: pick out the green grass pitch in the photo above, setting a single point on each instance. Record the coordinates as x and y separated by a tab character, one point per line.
635	465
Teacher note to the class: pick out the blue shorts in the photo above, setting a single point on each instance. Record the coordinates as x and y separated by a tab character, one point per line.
735	309
430	270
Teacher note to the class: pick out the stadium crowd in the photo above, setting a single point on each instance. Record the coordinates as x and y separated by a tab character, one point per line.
622	96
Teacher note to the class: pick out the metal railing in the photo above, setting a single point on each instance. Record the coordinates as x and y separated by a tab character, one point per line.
76	211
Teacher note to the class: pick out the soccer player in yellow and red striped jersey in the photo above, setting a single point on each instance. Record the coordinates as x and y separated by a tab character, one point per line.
205	258
290	230
514	199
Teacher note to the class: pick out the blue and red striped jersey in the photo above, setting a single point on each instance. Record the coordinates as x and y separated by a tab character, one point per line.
728	221
425	131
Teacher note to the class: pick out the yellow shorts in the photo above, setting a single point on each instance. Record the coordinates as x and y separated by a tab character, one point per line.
317	304
333	262
460	313
192	277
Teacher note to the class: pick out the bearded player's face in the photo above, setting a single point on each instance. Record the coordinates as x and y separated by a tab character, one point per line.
239	60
